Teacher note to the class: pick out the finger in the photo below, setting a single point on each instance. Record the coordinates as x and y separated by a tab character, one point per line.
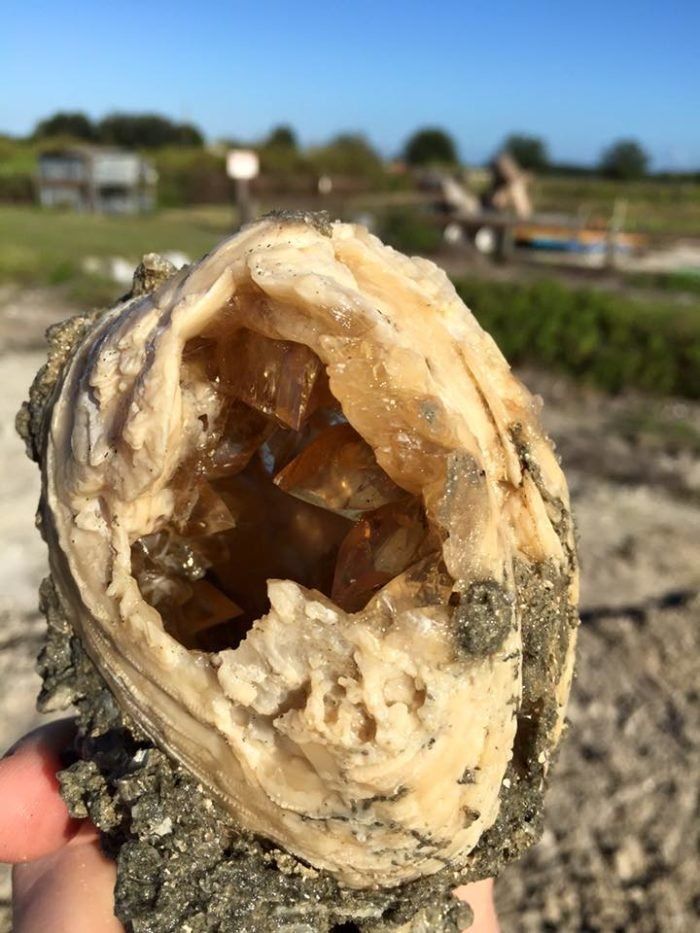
69	891
479	896
34	820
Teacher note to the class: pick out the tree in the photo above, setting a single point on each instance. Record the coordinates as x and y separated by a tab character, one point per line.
76	125
283	137
430	146
188	135
624	160
147	130
530	152
347	154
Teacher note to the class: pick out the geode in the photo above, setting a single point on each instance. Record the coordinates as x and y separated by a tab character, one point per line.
313	586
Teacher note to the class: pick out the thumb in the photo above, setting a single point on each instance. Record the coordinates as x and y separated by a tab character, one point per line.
34	820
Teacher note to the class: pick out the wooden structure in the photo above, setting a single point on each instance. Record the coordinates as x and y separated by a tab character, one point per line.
506	220
90	178
509	189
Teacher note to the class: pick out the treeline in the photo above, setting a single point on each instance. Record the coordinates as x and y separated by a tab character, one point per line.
131	130
624	159
192	172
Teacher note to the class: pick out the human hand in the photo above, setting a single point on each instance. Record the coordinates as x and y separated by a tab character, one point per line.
479	896
61	880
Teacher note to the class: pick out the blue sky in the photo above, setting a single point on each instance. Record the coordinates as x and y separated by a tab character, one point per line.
579	74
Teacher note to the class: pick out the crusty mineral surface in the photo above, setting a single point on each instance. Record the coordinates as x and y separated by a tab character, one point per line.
313	586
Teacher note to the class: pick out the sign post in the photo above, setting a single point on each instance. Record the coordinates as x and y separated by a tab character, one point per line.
242	165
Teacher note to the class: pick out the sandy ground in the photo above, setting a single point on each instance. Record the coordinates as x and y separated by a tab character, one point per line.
619	851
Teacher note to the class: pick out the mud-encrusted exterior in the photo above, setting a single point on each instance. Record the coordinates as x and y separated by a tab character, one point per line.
182	864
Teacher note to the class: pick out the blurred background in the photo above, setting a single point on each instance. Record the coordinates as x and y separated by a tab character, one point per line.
549	159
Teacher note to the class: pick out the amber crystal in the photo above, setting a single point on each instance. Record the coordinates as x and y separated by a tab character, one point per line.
284	444
199	357
207	608
241	431
380	546
276	537
209	514
276	377
273	494
338	471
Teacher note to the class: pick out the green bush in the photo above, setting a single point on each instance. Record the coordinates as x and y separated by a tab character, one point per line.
348	154
190	176
16	189
666	281
594	336
409	232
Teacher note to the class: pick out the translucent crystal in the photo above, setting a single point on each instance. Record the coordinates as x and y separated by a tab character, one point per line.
162	589
338	471
241	432
207	608
199	357
276	537
168	553
284	444
276	377
209	514
380	546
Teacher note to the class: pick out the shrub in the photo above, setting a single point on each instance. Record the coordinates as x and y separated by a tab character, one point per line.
348	154
409	232
594	336
17	189
191	176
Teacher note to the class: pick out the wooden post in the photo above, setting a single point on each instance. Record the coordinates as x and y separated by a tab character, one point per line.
615	226
506	243
243	201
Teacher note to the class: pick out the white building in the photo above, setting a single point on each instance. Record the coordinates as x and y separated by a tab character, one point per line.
89	178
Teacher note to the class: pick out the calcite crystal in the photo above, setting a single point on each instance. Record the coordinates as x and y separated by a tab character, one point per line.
306	531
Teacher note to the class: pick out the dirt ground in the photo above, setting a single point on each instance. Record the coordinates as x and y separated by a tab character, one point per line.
620	848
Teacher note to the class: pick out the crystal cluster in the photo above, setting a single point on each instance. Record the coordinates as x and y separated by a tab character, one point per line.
281	457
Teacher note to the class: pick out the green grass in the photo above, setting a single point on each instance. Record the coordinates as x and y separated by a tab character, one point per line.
47	247
16	158
653	206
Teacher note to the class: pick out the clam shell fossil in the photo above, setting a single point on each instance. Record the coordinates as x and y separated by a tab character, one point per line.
306	525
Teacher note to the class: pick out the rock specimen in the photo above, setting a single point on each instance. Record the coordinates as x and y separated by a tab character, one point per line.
307	539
